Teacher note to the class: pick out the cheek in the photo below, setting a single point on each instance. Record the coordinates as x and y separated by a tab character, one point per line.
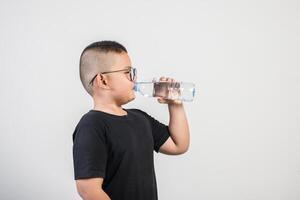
123	85
121	82
126	86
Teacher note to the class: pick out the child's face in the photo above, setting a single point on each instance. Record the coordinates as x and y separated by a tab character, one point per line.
119	82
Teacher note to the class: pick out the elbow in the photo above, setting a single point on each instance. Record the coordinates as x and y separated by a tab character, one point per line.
186	148
183	150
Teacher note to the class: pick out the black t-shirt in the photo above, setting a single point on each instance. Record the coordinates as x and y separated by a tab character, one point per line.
120	150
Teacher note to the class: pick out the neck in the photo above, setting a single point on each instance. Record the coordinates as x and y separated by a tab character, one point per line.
109	107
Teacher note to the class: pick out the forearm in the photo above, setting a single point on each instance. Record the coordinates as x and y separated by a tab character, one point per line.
95	194
178	126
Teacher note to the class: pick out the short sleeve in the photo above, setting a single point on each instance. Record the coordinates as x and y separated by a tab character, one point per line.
89	152
160	131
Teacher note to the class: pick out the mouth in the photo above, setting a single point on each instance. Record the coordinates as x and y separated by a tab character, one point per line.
134	87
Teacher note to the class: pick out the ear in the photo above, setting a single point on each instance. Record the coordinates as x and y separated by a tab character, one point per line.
101	81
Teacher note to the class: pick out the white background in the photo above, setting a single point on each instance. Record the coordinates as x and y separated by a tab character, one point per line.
243	57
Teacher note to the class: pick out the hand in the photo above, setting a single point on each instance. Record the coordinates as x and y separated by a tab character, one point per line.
168	101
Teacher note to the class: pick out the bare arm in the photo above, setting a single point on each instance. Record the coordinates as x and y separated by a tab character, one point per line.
179	141
91	189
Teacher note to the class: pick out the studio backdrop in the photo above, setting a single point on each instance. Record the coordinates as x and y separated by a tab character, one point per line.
243	57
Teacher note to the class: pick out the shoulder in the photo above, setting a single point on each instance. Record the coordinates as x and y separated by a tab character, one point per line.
142	114
92	119
90	124
138	112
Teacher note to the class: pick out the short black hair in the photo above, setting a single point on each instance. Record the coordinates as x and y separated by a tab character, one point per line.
107	46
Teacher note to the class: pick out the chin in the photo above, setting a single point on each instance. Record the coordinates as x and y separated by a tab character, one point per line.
132	98
129	100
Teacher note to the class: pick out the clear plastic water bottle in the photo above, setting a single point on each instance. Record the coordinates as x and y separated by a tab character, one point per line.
183	91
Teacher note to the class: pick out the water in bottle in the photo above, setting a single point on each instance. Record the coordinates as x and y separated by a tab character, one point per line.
184	91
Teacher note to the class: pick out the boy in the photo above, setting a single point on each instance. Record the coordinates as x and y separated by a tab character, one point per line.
112	146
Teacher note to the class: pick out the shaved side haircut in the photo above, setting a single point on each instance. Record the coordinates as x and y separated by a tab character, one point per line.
95	58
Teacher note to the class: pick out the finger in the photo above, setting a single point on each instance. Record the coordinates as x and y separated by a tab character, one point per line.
162	78
170	79
178	101
160	100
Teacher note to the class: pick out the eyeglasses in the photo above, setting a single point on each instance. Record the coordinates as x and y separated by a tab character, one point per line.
132	72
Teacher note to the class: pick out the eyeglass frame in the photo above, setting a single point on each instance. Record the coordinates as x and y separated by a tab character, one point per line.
132	72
